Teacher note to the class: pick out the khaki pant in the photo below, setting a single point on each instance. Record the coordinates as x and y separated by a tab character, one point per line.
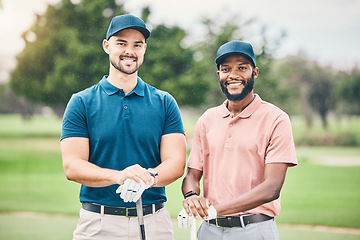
96	226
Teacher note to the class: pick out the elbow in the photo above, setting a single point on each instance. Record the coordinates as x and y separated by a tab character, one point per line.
272	194
275	196
69	174
271	197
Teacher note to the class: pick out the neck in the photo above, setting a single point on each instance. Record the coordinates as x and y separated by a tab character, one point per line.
236	107
123	81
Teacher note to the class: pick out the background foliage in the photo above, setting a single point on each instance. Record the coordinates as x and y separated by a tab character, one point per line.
63	55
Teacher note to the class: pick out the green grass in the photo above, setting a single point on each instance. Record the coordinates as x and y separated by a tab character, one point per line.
13	126
321	195
32	180
41	227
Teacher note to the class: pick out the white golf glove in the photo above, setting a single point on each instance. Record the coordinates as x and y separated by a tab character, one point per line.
131	190
184	220
212	213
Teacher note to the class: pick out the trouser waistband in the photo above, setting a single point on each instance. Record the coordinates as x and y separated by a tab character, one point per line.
122	211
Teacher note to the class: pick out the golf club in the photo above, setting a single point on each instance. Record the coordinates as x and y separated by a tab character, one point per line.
193	230
139	210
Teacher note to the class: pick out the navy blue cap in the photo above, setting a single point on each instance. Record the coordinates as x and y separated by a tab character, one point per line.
235	47
127	21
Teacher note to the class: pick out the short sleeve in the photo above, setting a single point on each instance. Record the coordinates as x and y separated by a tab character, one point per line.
196	157
281	147
74	121
173	122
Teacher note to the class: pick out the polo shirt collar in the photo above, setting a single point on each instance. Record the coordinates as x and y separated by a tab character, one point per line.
111	89
247	112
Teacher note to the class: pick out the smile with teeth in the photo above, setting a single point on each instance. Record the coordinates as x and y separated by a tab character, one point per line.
128	59
234	83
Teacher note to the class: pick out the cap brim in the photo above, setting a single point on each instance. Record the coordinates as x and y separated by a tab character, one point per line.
218	60
142	30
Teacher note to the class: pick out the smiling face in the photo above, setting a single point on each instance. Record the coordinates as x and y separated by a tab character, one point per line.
236	75
126	50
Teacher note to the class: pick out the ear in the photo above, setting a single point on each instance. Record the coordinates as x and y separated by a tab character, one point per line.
218	73
145	45
256	72
106	46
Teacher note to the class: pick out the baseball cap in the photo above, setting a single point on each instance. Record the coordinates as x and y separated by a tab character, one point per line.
127	21
235	47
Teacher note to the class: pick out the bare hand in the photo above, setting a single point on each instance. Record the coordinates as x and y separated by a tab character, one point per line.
196	206
135	172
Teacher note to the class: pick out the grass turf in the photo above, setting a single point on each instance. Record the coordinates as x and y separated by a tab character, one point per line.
57	227
32	179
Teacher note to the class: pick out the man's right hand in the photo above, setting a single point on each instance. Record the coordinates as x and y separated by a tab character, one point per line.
196	206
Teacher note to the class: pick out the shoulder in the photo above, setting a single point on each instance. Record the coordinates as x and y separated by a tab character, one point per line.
88	92
211	115
269	109
156	93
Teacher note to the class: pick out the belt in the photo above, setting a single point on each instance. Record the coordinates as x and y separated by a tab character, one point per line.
122	211
239	221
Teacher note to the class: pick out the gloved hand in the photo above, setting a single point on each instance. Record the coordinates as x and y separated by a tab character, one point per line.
212	213
184	220
131	190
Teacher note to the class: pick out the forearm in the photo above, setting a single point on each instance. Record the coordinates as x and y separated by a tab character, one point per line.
89	174
261	194
190	184
173	158
170	170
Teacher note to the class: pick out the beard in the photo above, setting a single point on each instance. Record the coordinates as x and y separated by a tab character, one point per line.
119	66
248	87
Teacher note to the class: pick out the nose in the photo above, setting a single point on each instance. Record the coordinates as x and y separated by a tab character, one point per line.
129	50
233	75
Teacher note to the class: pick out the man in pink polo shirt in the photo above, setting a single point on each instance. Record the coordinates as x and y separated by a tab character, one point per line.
242	150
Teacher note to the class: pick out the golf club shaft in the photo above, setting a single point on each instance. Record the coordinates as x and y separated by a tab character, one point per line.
193	230
139	210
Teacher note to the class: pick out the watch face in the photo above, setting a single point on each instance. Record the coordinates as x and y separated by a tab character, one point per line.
153	172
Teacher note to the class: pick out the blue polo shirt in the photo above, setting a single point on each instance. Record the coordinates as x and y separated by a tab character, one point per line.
122	131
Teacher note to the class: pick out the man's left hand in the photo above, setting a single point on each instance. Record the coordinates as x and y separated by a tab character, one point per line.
131	190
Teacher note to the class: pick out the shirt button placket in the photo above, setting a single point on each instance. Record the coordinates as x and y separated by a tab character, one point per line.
126	108
228	136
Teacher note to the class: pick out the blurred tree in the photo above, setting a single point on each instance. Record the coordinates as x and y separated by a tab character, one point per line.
310	85
294	70
10	103
167	65
348	91
322	94
63	52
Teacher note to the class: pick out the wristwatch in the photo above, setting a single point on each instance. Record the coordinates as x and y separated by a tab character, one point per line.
155	175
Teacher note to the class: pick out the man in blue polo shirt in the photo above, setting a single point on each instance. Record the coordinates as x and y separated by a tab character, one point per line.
123	132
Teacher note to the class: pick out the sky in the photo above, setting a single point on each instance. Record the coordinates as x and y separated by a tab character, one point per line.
325	30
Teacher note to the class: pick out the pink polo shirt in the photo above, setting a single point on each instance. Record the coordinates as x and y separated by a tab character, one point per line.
232	150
